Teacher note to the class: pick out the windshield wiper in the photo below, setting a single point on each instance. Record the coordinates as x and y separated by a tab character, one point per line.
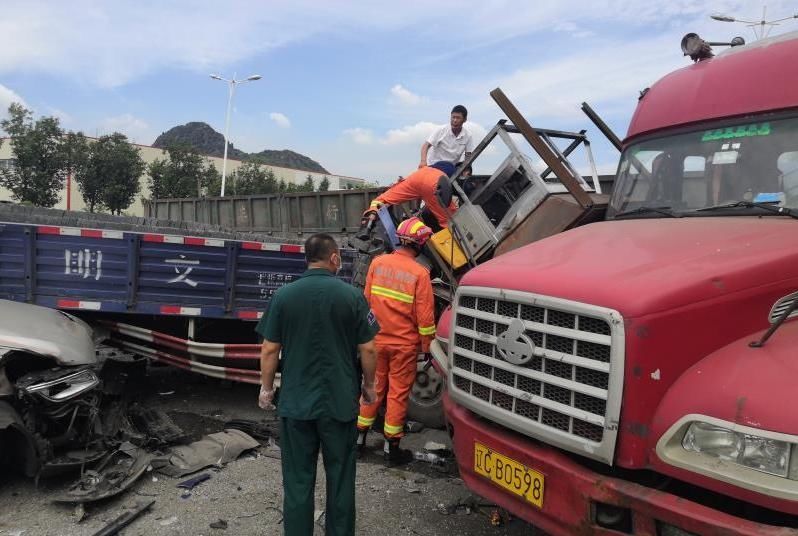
665	211
782	211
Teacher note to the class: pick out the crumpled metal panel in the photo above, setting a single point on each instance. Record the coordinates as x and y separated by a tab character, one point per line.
46	332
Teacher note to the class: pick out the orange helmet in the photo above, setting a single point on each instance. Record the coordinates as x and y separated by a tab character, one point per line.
413	230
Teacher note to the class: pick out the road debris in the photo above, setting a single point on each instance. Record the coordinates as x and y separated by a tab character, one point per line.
124	519
258	430
116	473
168	521
272	450
158	428
432	446
413	427
221	524
191	483
212	450
79	513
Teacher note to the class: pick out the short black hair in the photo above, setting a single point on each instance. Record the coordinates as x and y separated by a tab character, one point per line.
460	109
467	168
319	247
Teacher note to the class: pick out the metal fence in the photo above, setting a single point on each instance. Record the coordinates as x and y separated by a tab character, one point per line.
337	212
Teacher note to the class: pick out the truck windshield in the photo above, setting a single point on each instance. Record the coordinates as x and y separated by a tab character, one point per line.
737	168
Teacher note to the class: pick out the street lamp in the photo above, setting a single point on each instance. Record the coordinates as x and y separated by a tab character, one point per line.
761	24
232	88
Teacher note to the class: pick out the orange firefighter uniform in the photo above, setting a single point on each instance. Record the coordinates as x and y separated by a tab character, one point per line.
399	292
420	184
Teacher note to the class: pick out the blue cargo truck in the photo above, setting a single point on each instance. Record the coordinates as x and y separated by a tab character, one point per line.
190	301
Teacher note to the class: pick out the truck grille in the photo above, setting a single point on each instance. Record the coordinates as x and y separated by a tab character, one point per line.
566	391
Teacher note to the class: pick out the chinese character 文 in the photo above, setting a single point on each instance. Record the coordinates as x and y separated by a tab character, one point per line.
183	267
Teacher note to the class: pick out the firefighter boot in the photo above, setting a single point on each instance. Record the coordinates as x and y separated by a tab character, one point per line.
361	443
394	455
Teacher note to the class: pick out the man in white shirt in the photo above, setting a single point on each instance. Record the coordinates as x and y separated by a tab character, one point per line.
449	143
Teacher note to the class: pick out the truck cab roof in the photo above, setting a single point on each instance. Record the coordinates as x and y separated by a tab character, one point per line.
755	78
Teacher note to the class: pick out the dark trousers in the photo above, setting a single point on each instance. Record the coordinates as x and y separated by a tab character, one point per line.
299	444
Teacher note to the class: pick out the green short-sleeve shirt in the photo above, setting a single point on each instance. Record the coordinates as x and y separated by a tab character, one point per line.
319	320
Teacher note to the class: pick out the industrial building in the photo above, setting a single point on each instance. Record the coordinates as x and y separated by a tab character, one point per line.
71	198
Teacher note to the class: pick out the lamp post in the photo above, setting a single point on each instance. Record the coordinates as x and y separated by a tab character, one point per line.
231	90
764	26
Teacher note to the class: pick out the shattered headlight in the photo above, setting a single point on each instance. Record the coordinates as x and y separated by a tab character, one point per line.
65	387
760	453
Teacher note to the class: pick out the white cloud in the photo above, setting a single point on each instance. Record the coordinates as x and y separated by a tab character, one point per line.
134	128
8	97
360	136
280	120
62	116
405	96
409	134
109	44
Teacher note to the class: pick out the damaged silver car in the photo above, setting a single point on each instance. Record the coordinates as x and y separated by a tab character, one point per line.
59	403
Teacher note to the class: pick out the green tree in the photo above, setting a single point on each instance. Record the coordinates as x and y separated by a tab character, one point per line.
324	185
40	157
270	185
252	180
308	185
114	167
362	186
76	152
180	175
210	181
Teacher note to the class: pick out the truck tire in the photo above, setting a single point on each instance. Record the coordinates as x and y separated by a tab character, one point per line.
426	398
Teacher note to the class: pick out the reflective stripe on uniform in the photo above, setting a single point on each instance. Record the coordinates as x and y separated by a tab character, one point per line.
429	330
393	430
391	293
365	422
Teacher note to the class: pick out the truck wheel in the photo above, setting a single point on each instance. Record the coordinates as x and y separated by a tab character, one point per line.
426	398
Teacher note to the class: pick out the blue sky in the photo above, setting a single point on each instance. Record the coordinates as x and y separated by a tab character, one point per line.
354	85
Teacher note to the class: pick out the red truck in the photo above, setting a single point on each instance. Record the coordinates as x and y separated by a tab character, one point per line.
607	379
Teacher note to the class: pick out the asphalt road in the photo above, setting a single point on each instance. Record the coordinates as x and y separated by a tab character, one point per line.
246	495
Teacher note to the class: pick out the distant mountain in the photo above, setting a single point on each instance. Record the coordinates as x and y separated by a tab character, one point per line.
205	140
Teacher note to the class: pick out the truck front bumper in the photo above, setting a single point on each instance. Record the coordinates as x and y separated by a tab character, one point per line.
573	493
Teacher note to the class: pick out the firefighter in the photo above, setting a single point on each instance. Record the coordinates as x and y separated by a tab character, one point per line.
399	293
421	185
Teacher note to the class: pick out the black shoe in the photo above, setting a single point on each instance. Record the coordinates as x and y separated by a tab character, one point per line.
360	444
396	456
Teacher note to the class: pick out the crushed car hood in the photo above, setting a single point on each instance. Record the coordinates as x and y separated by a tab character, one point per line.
46	332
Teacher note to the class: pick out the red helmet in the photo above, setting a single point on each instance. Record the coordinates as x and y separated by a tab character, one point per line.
413	230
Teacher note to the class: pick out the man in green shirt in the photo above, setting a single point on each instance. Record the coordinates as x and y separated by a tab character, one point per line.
319	323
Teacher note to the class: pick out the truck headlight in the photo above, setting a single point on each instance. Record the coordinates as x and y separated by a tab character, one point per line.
760	453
